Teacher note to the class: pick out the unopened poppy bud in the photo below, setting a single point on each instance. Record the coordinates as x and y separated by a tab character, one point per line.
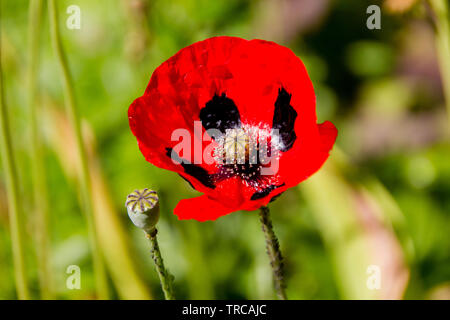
143	209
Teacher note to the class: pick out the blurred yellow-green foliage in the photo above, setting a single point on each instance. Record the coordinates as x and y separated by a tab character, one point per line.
382	199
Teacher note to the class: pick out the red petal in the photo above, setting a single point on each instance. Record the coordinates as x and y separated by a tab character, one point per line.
328	134
201	209
154	138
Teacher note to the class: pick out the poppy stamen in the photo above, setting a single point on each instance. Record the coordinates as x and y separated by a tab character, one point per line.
241	152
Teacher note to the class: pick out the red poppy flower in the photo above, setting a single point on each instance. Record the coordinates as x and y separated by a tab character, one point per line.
249	91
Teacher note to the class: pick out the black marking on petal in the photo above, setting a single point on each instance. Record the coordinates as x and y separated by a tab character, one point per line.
199	173
174	156
284	119
261	194
193	170
220	113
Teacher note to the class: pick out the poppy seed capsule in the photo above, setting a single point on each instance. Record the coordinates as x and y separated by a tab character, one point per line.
143	209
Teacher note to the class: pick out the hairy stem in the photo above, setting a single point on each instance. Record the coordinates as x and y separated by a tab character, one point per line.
14	205
85	184
440	9
274	253
165	278
37	158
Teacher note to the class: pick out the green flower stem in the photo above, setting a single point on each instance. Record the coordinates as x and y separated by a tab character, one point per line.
440	9
85	184
274	253
165	277
36	154
14	205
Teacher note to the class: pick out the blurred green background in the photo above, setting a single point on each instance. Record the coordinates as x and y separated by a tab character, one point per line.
383	197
